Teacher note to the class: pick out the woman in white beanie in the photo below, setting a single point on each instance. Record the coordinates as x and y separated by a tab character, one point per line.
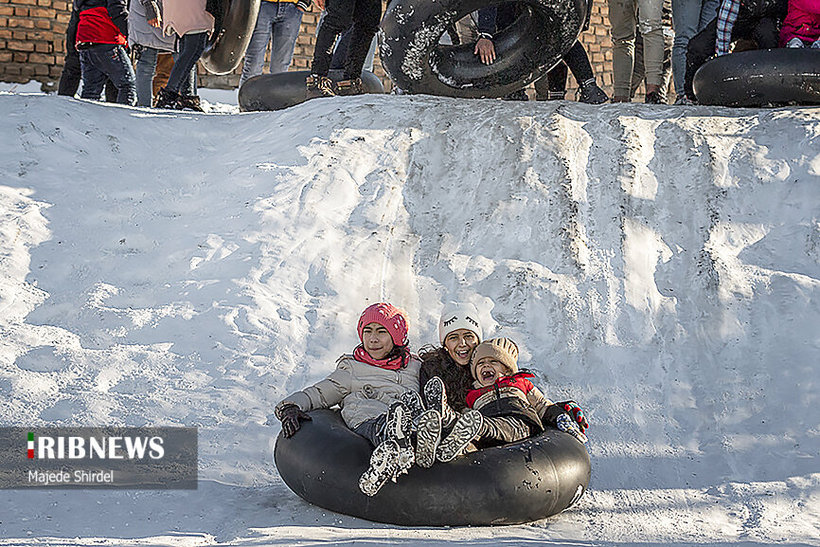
459	332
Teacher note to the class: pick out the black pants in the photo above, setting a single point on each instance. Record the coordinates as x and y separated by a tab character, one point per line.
364	16
556	79
764	31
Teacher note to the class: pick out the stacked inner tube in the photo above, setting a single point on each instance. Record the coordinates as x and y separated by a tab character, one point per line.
762	77
413	58
511	484
230	39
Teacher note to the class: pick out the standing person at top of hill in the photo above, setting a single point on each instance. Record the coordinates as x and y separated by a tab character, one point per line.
278	23
102	30
626	16
364	16
801	28
193	21
368	385
147	41
757	20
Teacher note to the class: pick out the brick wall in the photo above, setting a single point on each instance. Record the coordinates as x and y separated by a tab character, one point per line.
32	44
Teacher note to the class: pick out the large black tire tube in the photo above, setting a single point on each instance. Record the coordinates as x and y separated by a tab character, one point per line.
413	58
229	41
763	77
278	91
511	484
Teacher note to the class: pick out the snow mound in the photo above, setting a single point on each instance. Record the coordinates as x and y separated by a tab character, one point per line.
660	265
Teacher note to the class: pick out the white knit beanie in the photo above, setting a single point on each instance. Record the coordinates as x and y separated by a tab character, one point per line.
458	316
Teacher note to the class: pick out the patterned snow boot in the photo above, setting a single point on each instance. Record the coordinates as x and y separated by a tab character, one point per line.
412	400
436	398
190	102
467	427
383	465
318	86
349	87
398	428
428	437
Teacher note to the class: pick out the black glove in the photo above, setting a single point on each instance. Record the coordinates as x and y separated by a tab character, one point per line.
577	414
290	415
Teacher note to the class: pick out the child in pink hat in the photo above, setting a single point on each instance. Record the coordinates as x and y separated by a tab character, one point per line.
368	385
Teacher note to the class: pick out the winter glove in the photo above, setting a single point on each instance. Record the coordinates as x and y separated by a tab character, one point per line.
290	415
577	414
565	424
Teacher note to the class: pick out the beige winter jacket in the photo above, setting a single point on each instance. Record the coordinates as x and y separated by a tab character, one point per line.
186	17
363	391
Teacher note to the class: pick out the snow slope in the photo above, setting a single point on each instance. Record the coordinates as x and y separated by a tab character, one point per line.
661	265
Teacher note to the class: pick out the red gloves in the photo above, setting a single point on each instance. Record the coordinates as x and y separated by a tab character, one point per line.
577	414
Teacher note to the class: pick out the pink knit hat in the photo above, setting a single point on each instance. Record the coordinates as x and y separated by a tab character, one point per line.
388	316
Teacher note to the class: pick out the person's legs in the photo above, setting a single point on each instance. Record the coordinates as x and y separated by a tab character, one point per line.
686	18
146	64
285	31
191	47
71	75
553	85
708	12
338	18
165	62
651	27
623	20
638	69
255	54
366	19
766	33
93	77
700	48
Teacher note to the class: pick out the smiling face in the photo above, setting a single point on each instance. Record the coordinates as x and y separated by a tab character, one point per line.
460	345
489	370
377	341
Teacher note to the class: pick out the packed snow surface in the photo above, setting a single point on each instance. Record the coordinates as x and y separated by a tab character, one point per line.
660	265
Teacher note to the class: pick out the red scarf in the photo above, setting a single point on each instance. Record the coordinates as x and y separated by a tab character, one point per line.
519	380
394	363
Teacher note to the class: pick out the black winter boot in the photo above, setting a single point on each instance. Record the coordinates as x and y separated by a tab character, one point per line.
590	93
428	437
167	99
436	399
466	428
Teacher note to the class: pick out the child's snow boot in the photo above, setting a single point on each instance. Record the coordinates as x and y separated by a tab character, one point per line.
398	428
428	437
383	465
318	86
412	400
167	99
590	93
467	427
552	96
436	398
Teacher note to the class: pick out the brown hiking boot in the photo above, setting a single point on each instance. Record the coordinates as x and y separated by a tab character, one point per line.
190	102
319	86
350	87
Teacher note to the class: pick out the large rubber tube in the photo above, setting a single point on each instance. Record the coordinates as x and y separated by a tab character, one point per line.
763	77
278	91
413	58
229	42
512	484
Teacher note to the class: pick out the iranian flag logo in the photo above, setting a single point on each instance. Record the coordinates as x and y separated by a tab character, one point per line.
30	445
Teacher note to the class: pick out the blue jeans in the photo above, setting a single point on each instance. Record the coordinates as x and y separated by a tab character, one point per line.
146	66
182	79
107	61
688	18
277	22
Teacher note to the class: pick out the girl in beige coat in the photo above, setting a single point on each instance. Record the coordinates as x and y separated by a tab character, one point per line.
368	385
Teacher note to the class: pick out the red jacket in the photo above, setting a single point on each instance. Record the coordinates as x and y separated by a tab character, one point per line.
802	21
102	22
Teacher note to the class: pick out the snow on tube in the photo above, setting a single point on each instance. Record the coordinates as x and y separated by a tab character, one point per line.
228	43
760	77
512	484
413	58
278	91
